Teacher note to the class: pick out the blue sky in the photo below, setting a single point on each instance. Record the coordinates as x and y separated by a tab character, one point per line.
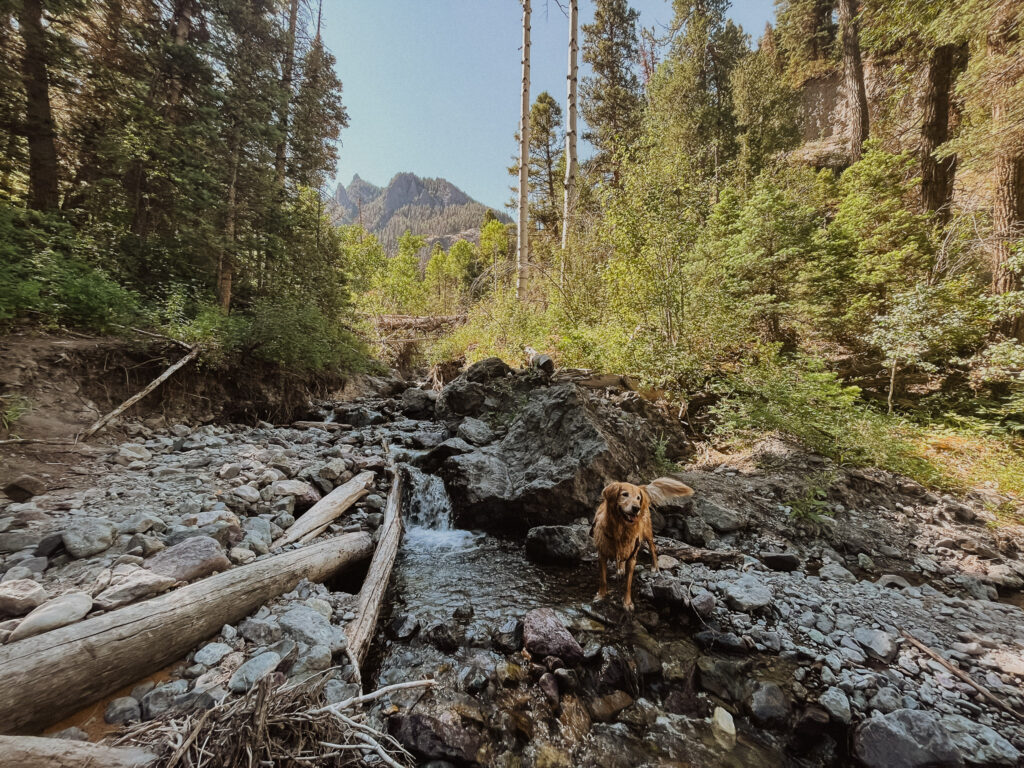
432	86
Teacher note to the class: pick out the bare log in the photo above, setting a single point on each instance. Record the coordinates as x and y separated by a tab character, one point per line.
327	426
36	752
45	678
324	512
360	630
413	322
138	396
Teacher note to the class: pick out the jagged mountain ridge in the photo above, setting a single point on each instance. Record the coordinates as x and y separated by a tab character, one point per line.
432	207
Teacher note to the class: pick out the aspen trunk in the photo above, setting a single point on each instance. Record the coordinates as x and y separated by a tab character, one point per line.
45	678
39	127
854	92
937	175
523	244
569	184
286	99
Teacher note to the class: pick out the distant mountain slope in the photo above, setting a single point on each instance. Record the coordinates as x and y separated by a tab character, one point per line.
434	208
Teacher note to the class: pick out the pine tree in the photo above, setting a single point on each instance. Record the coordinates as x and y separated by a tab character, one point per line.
611	99
545	161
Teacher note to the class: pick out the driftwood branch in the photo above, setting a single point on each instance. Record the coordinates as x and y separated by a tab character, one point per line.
50	676
138	396
327	510
963	676
360	630
329	426
35	752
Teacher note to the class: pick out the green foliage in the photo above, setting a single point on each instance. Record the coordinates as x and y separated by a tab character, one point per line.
12	407
300	337
812	504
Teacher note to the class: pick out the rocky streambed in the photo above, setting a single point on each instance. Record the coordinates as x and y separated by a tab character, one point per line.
836	638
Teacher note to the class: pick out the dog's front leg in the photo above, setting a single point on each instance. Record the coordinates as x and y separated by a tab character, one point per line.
602	591
627	602
654	554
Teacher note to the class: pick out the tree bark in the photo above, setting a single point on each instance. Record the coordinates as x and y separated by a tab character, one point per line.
569	184
1008	206
316	519
35	752
523	244
226	265
360	631
45	678
39	128
937	175
854	91
286	96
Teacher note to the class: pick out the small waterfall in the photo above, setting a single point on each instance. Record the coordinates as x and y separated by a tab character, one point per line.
428	515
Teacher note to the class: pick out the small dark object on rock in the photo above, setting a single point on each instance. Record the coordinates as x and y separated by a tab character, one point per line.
781	561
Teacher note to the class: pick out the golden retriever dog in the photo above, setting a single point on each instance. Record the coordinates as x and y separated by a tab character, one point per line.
623	523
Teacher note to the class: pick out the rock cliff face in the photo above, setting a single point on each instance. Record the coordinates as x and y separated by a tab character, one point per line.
435	208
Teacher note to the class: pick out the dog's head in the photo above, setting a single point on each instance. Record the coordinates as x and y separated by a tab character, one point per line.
627	500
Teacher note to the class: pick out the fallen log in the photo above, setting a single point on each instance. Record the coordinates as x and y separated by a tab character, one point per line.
327	426
37	752
360	630
327	510
139	395
45	678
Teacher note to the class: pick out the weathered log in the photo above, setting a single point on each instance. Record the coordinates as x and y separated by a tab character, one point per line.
360	630
36	752
412	322
45	678
327	426
324	512
138	396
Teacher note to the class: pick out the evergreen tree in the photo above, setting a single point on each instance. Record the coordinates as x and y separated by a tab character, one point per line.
546	162
611	99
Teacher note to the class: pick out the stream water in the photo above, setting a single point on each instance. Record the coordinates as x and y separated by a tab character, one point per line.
453	582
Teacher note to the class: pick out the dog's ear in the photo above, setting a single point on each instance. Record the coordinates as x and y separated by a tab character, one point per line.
665	488
645	499
611	494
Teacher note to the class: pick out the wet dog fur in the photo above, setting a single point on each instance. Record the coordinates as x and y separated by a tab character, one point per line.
623	523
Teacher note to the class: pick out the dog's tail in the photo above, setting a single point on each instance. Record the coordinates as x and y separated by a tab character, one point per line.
665	488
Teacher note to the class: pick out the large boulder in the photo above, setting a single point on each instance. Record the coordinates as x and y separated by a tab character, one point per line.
418	403
557	544
19	596
545	635
906	738
89	536
562	444
430	739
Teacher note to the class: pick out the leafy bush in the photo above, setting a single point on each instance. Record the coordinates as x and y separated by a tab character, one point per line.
45	273
298	336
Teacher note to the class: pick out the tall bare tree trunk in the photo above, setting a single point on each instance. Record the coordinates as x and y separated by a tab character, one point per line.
286	89
854	92
226	265
39	126
569	184
523	244
182	24
937	175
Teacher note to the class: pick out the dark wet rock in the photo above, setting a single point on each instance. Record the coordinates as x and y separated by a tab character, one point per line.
781	561
726	678
435	457
697	533
769	706
48	546
429	738
702	603
727	642
24	487
89	536
810	729
549	685
604	709
670	593
545	635
487	370
475	431
459	399
979	744
616	671
192	558
443	637
404	626
906	738
837	704
418	403
359	416
508	636
557	544
562	445
124	709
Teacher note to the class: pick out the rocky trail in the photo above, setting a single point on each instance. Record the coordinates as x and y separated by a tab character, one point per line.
803	614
